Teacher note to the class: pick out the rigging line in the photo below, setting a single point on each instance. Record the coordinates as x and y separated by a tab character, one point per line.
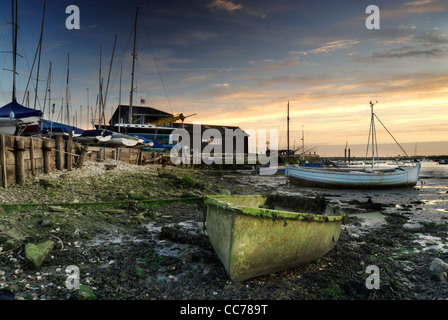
391	136
157	67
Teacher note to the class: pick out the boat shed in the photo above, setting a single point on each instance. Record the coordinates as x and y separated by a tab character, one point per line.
221	134
140	115
217	135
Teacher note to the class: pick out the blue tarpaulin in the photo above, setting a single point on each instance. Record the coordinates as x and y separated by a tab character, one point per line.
18	111
51	126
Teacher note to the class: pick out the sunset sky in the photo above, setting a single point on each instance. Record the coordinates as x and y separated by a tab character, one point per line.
240	62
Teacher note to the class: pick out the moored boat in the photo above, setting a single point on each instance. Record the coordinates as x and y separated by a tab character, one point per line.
121	140
395	177
357	177
253	236
94	136
10	126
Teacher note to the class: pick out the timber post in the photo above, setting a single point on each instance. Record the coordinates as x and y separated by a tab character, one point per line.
3	161
83	156
47	155
69	152
19	149
33	164
59	153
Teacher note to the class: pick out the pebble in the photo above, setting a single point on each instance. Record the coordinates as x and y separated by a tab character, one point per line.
439	268
413	227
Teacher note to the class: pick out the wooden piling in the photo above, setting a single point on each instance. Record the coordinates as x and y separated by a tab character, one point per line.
3	161
83	156
33	164
19	148
47	155
59	153
69	152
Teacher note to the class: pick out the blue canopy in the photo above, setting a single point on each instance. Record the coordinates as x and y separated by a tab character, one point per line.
18	111
51	126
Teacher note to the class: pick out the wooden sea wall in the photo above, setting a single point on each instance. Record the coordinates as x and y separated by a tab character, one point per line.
22	158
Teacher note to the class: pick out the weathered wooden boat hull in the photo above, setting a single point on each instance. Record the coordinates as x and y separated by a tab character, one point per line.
252	241
394	178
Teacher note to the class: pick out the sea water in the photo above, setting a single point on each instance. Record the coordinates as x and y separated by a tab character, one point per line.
426	202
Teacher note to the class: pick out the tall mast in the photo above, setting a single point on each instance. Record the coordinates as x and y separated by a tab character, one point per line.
88	108
119	101
100	92
66	90
303	146
14	48
287	118
40	51
49	92
108	78
373	134
133	68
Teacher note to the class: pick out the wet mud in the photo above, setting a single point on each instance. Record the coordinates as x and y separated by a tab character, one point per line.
163	252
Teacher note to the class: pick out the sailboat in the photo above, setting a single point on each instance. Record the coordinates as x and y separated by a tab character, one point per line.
367	177
15	118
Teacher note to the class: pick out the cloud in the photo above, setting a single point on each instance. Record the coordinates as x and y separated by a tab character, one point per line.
415	7
274	64
408	52
225	5
430	44
329	47
419	2
403	27
89	27
190	37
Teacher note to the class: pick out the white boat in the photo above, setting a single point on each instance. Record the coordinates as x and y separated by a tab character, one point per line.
367	177
93	137
405	176
10	126
121	140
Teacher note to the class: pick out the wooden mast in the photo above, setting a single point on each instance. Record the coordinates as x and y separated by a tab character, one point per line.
287	149
133	68
108	79
14	46
40	51
373	134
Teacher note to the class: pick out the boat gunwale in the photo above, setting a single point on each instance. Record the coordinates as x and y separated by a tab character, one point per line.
275	214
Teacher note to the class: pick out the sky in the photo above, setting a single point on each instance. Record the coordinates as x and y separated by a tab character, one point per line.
241	63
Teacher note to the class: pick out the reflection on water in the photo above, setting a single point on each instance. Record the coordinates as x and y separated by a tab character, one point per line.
428	201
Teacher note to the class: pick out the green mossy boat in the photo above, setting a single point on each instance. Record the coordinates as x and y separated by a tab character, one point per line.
256	235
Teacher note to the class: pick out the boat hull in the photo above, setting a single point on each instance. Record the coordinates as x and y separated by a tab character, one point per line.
9	126
393	178
119	140
251	241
